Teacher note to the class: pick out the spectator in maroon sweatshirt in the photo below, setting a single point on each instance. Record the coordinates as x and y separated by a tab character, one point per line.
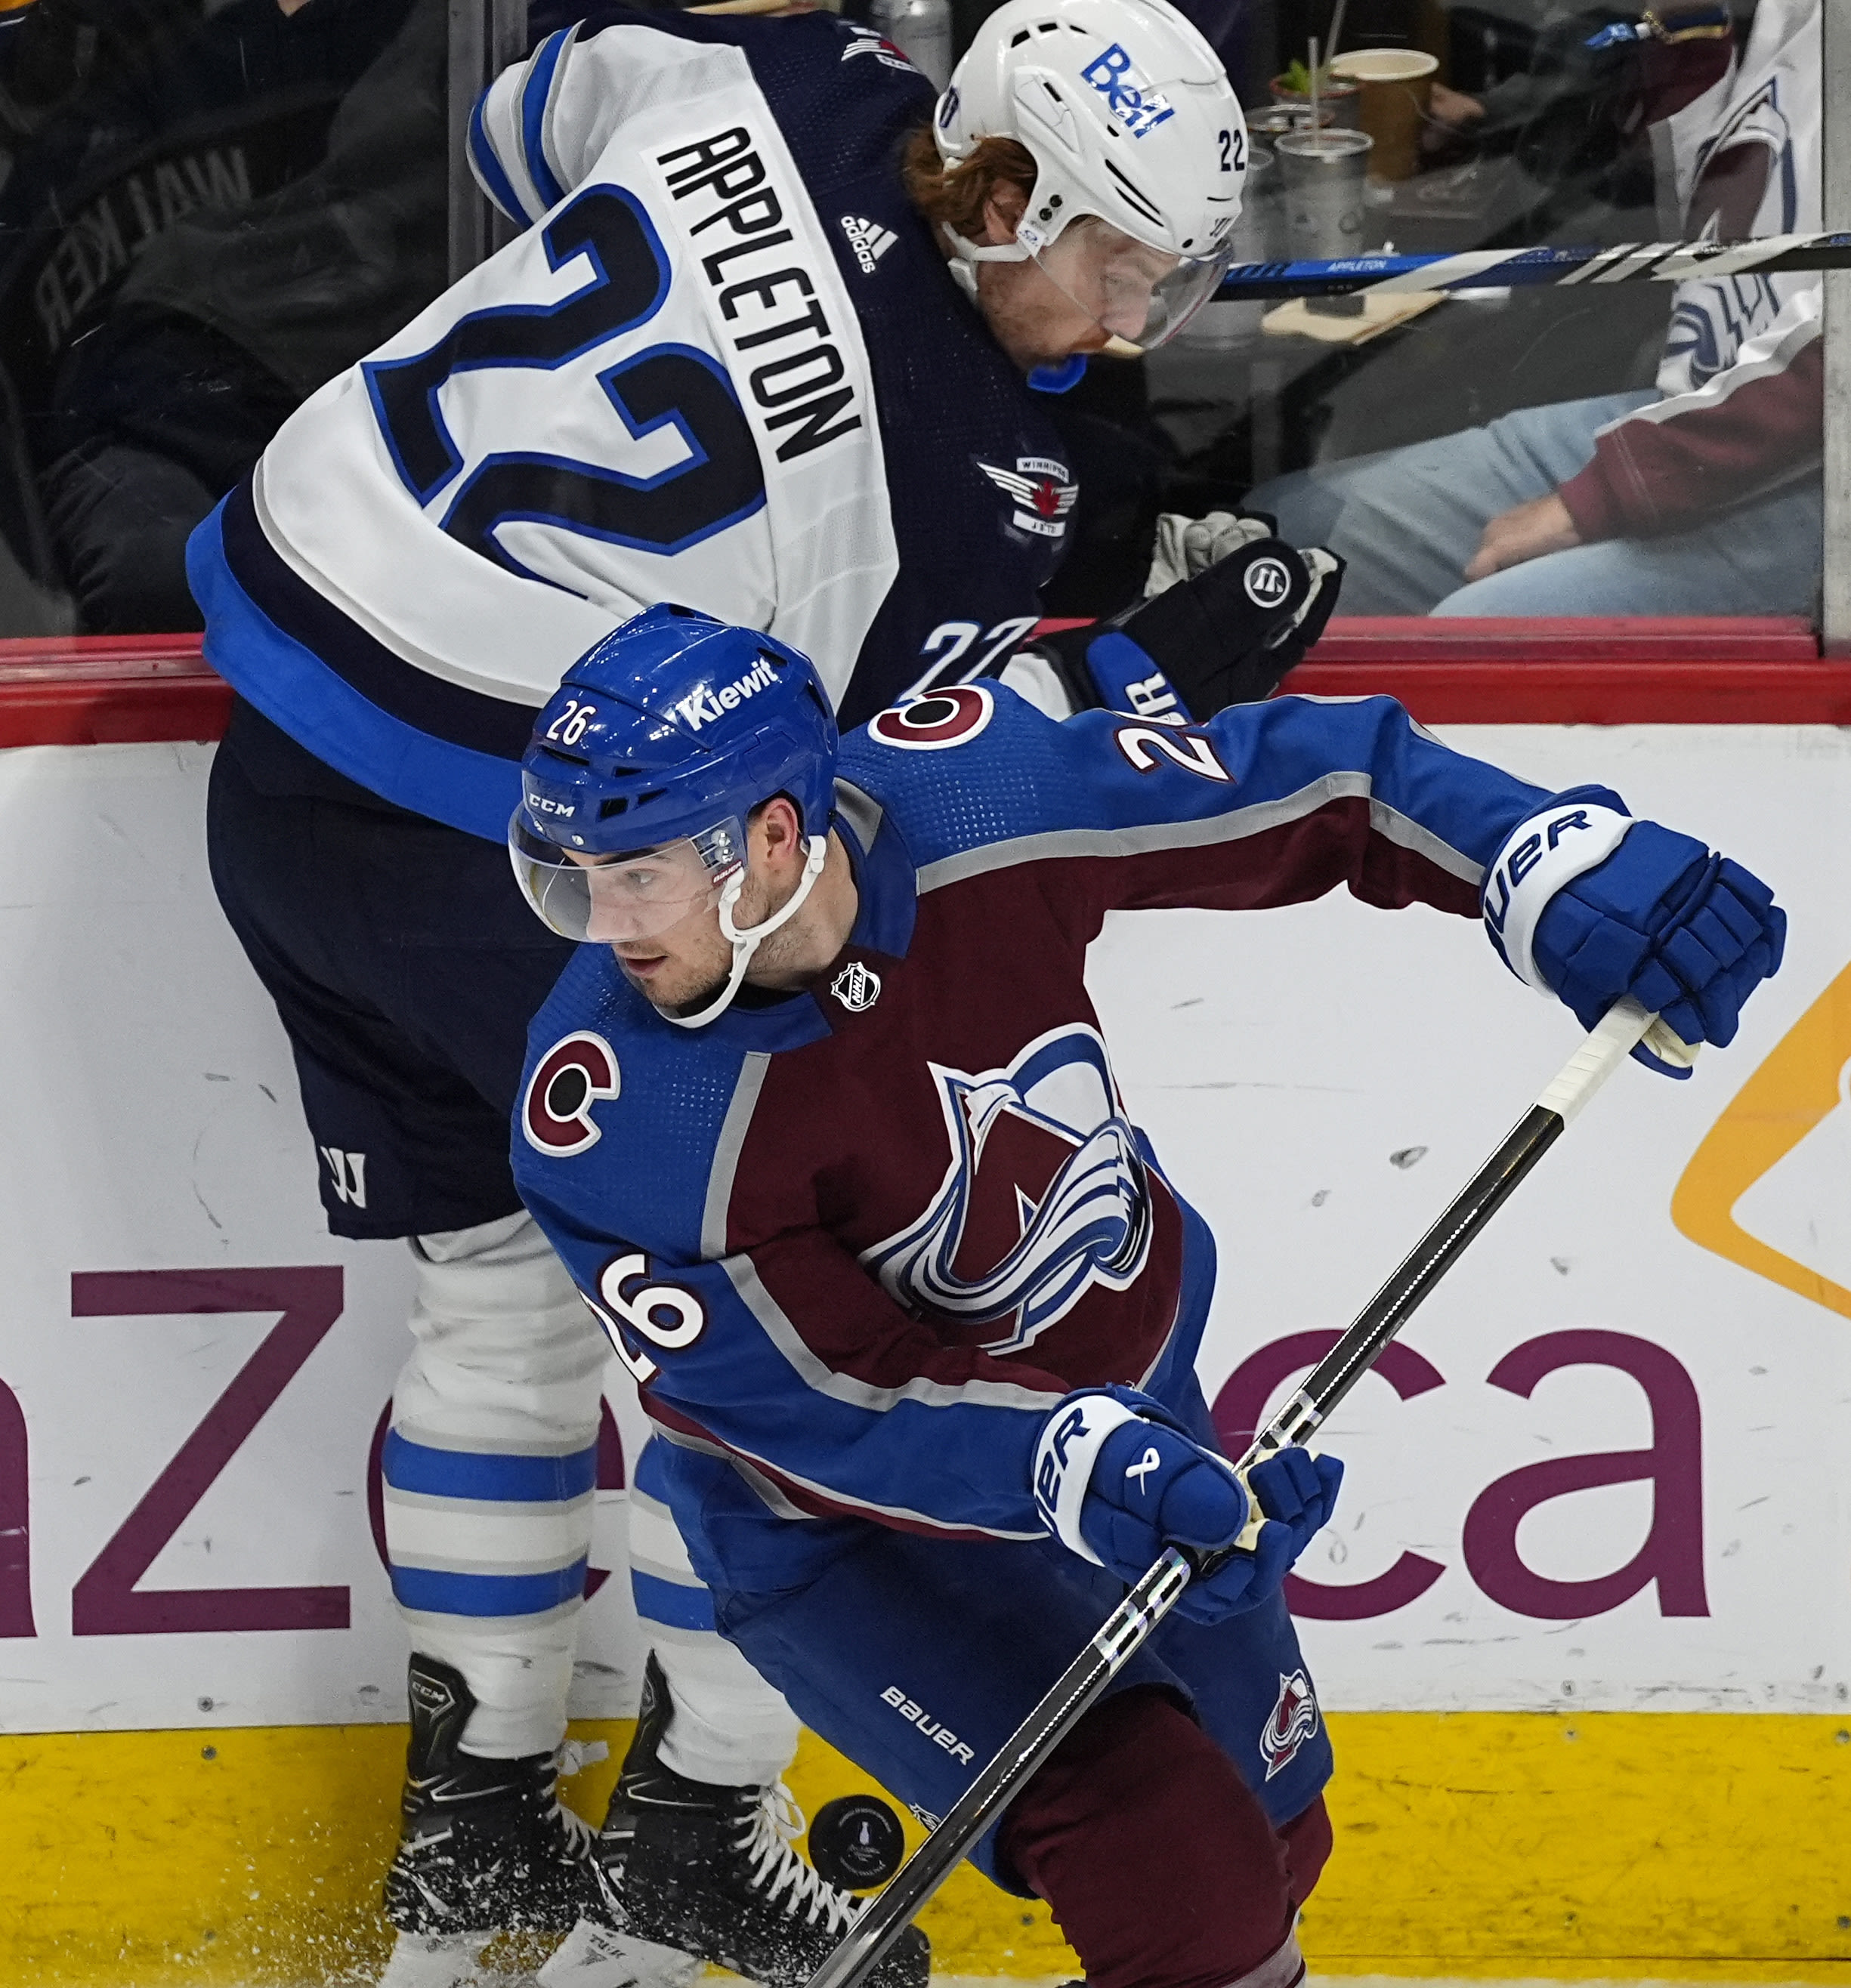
1701	495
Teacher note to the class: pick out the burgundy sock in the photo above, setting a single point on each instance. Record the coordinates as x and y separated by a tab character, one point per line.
1160	1866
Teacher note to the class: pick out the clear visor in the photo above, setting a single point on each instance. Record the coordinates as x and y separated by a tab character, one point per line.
1136	292
610	899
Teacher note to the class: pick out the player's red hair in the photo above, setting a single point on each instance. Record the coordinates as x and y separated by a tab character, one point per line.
954	196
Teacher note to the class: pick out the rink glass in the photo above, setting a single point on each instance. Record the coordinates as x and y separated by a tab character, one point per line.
188	250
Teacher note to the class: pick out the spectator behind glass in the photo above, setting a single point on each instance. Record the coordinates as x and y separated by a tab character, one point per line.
1701	495
198	246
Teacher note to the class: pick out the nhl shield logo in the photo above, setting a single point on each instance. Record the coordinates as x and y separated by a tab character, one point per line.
1293	1721
857	987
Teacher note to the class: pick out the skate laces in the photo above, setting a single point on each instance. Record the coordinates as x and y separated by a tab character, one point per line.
574	1756
778	1871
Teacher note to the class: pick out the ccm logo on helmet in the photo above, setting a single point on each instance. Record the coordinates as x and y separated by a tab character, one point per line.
1127	93
930	724
556	1110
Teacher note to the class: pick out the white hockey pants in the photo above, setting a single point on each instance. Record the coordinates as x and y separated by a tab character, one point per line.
490	1471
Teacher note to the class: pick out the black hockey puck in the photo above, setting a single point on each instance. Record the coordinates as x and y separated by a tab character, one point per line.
856	1842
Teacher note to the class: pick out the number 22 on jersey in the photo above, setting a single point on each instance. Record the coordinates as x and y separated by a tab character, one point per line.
720	480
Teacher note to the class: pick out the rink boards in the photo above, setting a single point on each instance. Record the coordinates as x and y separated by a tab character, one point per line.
1582	1626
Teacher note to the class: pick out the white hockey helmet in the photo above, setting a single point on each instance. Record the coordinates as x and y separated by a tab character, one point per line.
1130	119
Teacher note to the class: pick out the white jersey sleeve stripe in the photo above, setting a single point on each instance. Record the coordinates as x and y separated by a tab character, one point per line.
498	119
537	100
486	165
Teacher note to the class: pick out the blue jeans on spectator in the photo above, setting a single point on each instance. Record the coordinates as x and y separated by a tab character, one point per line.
1408	520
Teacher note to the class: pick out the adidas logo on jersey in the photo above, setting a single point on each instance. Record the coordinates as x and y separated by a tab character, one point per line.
868	239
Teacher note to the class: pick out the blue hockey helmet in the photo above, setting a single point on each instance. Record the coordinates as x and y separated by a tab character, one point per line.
642	770
673	722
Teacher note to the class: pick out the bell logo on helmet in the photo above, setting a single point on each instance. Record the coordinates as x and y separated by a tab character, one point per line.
556	1110
1129	95
706	706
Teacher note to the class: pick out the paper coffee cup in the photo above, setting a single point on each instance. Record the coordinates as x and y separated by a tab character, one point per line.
1395	85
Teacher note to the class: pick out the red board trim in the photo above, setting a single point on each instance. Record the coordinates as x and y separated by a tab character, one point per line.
110	689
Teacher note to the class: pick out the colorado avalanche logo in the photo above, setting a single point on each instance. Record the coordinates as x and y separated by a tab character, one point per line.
555	1107
1294	1720
1046	1195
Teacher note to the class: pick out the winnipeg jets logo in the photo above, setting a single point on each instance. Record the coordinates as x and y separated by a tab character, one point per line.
890	55
1045	1196
868	239
1294	1720
1041	491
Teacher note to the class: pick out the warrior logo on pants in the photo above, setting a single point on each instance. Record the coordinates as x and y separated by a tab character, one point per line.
1294	1720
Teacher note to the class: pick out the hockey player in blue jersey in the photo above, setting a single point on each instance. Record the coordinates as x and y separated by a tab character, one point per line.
912	1304
763	346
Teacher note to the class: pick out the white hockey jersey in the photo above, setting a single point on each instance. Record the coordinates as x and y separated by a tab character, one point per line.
689	379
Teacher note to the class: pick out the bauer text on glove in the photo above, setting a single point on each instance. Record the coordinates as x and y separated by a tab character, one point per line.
1586	903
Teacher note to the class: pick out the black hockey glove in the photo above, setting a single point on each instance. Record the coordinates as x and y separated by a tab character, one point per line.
1227	636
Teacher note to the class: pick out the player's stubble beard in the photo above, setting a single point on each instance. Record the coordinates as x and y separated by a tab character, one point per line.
697	957
1031	317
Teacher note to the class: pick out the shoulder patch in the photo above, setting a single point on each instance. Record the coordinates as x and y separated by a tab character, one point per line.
556	1109
946	717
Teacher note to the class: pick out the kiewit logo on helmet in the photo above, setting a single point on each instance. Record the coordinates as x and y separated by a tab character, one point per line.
706	706
1127	93
868	239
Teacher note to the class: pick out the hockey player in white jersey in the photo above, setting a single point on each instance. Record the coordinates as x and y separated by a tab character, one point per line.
769	347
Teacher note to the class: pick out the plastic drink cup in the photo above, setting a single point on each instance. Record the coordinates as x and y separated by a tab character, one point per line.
1323	174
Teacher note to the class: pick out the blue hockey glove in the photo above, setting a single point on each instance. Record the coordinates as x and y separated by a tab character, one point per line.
1226	636
1587	903
1117	1482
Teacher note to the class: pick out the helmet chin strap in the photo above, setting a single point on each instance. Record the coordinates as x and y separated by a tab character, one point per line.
966	254
746	943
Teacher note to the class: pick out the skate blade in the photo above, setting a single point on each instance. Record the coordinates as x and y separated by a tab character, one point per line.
436	1960
592	1956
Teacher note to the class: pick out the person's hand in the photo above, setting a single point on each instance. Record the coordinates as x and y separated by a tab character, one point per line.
1526	532
1117	1483
1587	903
1226	633
1453	106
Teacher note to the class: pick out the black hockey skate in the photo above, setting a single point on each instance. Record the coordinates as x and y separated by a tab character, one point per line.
710	1870
486	1846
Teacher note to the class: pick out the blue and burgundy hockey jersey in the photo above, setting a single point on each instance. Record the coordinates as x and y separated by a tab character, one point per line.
856	1243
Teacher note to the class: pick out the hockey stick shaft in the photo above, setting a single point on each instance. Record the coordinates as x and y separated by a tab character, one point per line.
881	1921
1481	268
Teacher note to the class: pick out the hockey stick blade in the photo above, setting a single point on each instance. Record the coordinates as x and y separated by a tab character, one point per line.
881	1921
1482	268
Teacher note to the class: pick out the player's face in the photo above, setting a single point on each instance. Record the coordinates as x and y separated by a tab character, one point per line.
1110	276
634	898
681	965
1032	318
